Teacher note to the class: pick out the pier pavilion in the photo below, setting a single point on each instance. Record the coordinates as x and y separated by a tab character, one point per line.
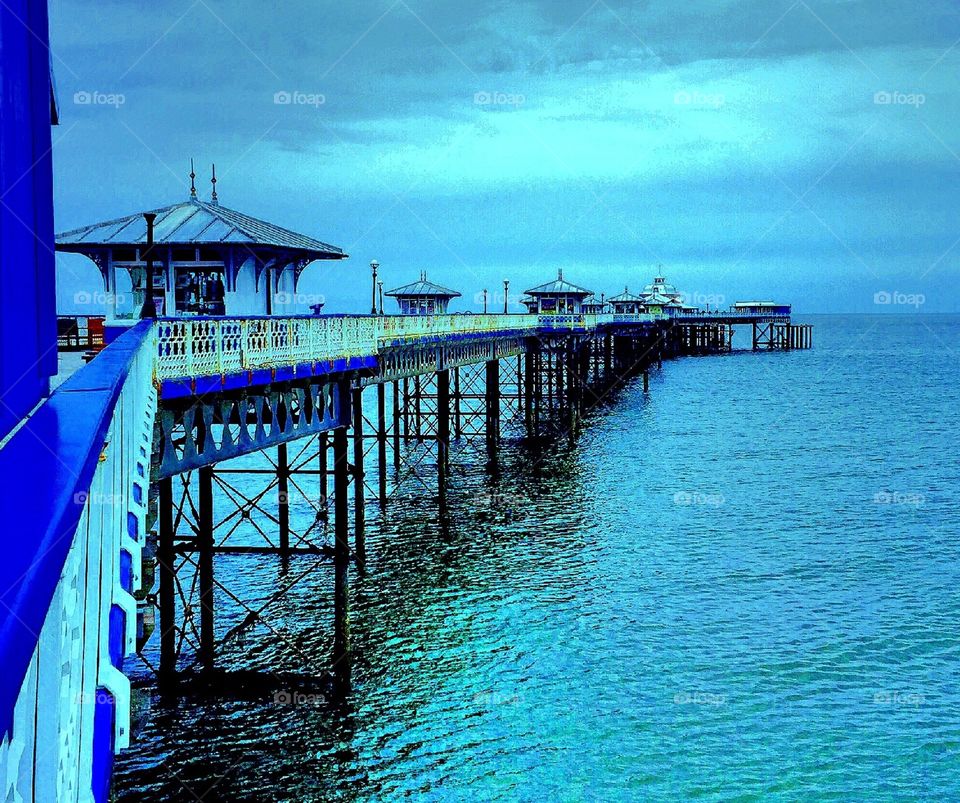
627	303
594	306
209	260
423	297
558	297
661	289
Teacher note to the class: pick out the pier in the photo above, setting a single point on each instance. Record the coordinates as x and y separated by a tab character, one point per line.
124	481
354	405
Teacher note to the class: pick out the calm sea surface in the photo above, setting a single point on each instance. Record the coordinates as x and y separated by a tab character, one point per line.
743	585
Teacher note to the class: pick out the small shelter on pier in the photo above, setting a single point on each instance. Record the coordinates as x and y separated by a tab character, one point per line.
208	260
627	303
423	297
594	306
761	308
558	297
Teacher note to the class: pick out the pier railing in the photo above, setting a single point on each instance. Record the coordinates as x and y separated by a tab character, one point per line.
76	483
210	346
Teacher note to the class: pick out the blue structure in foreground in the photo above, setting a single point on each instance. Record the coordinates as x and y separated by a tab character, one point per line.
28	345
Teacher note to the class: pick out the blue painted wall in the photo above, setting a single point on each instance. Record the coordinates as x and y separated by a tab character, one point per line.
28	348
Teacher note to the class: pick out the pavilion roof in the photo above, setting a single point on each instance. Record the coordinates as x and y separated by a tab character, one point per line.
626	297
422	288
559	287
195	222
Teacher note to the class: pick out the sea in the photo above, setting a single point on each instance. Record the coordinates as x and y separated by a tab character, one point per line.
743	585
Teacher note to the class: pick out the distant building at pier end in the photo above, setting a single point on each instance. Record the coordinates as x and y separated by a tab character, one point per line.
423	297
208	260
558	297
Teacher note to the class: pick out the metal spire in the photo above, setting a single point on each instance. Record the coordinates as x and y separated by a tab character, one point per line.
193	179
213	180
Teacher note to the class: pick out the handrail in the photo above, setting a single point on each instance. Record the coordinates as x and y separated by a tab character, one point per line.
70	470
216	346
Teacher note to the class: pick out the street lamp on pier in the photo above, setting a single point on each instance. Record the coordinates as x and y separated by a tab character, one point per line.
506	294
149	308
484	302
373	290
380	288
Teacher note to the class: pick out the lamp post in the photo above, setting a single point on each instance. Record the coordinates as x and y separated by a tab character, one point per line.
380	288
373	290
149	309
506	294
484	302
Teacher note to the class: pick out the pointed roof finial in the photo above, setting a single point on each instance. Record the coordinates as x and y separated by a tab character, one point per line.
560	274
423	276
193	179
213	181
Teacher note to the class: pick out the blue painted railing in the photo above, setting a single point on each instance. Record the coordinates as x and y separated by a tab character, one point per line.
75	493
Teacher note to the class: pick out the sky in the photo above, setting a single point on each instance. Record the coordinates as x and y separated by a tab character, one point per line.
803	152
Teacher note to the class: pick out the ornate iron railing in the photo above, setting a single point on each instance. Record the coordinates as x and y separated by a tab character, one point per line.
190	347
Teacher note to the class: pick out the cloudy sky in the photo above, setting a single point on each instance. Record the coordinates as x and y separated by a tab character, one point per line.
803	151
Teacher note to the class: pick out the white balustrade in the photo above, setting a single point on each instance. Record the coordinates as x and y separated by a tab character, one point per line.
191	347
51	752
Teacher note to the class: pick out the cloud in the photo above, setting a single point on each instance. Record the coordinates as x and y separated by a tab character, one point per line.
540	132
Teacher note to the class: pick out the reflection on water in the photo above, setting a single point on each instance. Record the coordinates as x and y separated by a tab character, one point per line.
745	581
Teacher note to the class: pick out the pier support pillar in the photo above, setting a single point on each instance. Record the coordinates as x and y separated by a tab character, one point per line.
341	560
574	386
443	430
283	499
382	443
205	564
323	445
396	424
529	358
492	408
457	420
418	408
359	509
167	570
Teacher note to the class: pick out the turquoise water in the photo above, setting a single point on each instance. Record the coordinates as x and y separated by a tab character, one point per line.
744	585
